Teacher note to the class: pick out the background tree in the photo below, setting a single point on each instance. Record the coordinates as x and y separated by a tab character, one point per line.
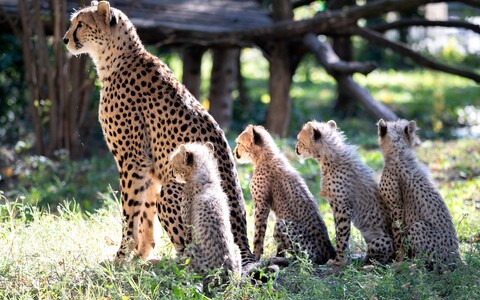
59	86
223	78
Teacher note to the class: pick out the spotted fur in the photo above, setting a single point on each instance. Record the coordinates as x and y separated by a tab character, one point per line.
349	187
204	210
145	114
277	186
420	216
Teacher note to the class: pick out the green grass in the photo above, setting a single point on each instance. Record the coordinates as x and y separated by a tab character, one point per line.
67	254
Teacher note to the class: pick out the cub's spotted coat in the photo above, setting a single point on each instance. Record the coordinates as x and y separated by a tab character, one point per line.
204	210
419	213
278	187
349	187
145	114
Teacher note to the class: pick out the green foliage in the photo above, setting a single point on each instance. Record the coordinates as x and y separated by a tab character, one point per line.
45	181
12	90
433	99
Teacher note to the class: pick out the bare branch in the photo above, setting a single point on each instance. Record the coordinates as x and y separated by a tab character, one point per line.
336	4
422	22
402	49
333	64
300	3
327	22
322	52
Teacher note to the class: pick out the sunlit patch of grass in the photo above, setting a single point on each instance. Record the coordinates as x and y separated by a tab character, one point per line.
452	160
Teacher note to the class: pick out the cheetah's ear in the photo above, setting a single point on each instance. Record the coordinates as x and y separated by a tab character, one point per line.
189	158
411	128
257	138
94	3
411	132
317	135
382	128
332	124
210	147
182	148
107	13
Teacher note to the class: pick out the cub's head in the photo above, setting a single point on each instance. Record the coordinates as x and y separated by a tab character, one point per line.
397	135
190	159
91	28
253	143
319	139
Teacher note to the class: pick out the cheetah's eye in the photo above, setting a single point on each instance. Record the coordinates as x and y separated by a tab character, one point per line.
80	24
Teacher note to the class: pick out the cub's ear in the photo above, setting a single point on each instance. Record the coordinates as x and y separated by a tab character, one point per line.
189	158
317	135
108	15
411	128
382	128
411	133
257	138
210	146
113	18
332	124
94	3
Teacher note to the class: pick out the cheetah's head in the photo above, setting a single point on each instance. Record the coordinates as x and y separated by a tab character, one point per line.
91	28
319	139
253	143
401	134
188	158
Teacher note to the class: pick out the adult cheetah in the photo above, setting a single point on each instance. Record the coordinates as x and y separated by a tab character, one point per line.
277	186
145	114
350	189
419	212
204	210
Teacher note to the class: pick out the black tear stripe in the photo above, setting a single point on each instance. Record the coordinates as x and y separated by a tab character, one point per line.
75	39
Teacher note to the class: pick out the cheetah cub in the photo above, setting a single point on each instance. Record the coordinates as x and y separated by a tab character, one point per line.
204	208
418	211
350	189
276	185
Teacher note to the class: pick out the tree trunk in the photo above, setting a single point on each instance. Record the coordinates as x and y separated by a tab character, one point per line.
342	45
242	89
192	69
31	73
222	83
58	85
345	102
279	109
328	59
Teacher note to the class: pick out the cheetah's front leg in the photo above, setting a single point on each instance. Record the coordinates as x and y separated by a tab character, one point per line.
261	215
398	233
138	200
261	201
342	217
392	194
